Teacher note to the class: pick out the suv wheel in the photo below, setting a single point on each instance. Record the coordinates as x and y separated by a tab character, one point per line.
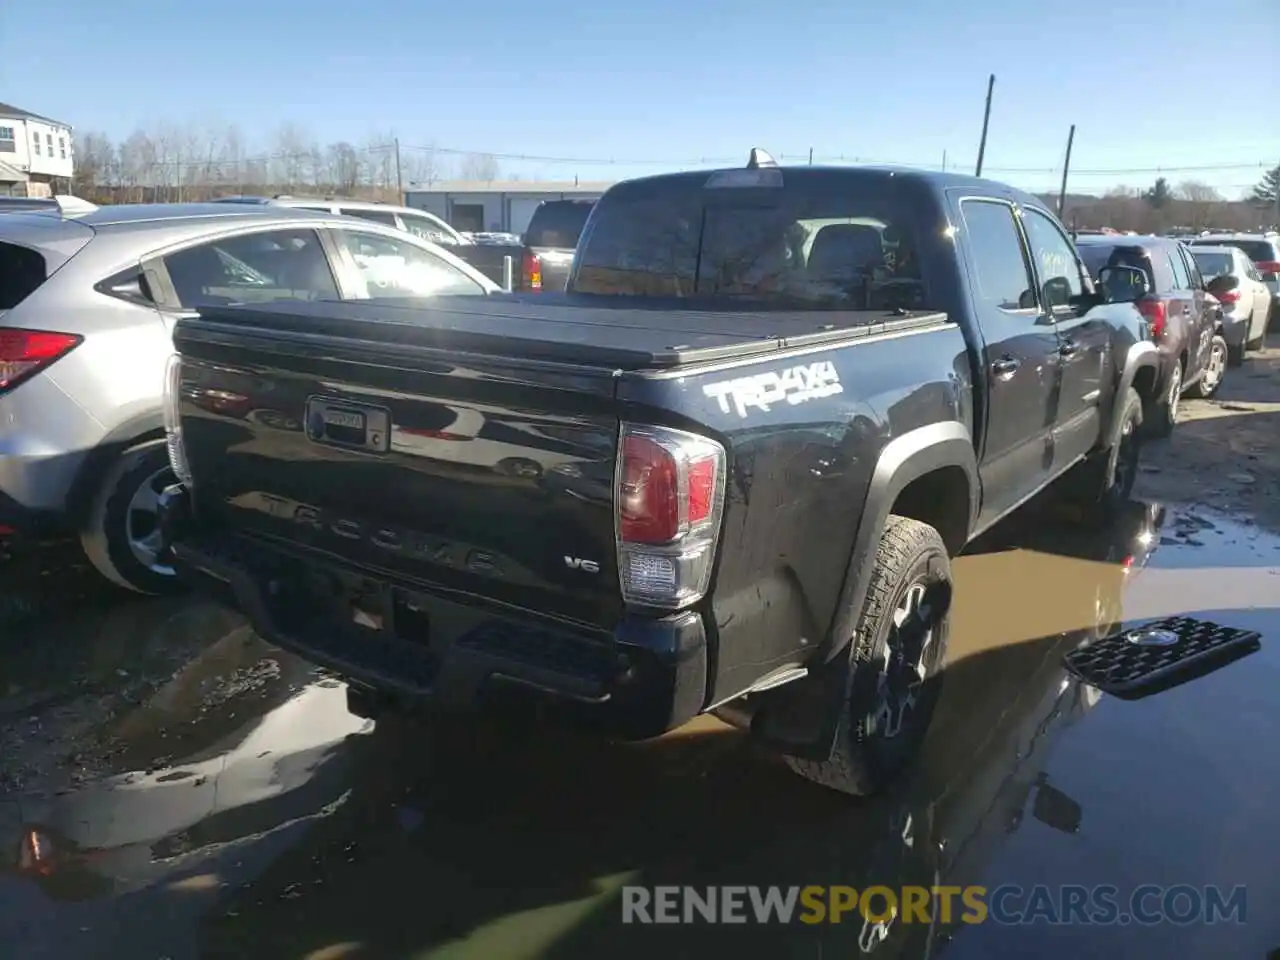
897	655
1163	414
122	536
1215	368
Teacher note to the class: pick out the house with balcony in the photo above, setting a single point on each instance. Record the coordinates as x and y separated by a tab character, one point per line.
35	154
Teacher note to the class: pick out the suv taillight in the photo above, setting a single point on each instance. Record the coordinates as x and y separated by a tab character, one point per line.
1157	315
1269	269
669	494
24	353
1229	296
532	269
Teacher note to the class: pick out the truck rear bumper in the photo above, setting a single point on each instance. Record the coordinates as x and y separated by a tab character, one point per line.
645	677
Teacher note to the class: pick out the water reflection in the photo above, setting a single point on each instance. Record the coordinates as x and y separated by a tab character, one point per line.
249	813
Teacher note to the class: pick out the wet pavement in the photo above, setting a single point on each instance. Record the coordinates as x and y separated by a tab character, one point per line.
171	787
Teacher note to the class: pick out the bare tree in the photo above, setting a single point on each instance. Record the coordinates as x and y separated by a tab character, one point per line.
479	166
342	167
1202	203
294	153
422	166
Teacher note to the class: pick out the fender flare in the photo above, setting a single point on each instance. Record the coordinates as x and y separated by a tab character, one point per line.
801	718
1141	355
144	426
903	460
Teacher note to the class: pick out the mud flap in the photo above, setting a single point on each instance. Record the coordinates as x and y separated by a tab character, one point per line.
801	719
1155	656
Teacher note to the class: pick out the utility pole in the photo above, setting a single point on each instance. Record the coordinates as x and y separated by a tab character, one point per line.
811	156
986	120
1066	166
944	161
399	176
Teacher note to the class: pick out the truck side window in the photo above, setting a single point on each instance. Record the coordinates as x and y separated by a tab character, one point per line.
999	259
1056	257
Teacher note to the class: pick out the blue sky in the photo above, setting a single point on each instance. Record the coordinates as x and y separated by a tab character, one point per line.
668	84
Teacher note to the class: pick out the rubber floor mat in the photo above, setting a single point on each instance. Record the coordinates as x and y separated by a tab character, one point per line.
1155	656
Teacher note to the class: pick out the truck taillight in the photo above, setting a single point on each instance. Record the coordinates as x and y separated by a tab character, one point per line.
24	353
532	270
1157	315
669	494
171	402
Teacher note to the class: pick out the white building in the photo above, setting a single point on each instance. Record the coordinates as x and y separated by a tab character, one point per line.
496	205
35	152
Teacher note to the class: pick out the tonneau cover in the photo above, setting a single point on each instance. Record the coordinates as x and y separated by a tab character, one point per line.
628	334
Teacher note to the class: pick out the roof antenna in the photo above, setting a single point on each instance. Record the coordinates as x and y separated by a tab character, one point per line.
760	159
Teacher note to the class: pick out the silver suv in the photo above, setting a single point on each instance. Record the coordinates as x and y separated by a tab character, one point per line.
87	306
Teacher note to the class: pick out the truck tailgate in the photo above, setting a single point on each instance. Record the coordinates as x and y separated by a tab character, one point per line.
483	478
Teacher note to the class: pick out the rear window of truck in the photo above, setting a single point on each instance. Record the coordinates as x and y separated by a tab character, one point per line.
22	271
792	247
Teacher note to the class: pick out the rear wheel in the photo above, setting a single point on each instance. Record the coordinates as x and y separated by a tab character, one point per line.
122	535
1163	413
1215	368
1104	482
897	655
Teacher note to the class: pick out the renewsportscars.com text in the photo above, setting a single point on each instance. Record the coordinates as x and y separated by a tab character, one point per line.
1008	904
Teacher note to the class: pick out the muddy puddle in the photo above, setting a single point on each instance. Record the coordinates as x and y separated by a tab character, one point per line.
172	787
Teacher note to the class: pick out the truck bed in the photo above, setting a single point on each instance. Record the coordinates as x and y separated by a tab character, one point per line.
558	328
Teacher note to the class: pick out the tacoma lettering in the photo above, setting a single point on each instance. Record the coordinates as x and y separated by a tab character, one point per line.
793	385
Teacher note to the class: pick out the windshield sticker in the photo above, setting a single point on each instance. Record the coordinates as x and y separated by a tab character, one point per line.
794	385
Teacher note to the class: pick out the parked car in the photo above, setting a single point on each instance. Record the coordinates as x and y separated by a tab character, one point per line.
1262	248
1185	320
750	441
552	237
1246	308
87	304
488	257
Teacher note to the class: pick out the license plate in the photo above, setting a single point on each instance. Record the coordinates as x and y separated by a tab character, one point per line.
344	418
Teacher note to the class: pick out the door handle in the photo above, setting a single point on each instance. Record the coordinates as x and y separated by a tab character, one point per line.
1006	367
1186	311
1069	348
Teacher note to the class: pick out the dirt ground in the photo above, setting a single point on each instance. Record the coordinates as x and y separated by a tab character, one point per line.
1225	452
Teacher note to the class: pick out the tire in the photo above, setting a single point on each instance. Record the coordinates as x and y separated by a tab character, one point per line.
1215	370
912	572
107	533
1162	414
1104	483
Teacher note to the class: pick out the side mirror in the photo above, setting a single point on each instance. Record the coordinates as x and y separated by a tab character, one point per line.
1123	284
1223	283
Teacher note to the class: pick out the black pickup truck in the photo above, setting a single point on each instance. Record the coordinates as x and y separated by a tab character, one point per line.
724	472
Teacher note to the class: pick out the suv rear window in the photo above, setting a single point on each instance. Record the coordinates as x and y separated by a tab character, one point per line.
1156	267
557	223
1255	250
22	270
798	246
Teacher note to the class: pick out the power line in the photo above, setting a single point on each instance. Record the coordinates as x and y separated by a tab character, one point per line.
388	151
